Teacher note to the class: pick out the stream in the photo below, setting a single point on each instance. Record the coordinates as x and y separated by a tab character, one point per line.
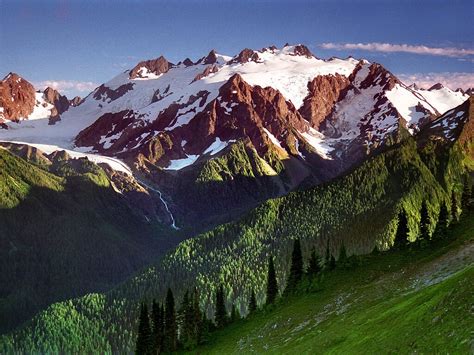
173	224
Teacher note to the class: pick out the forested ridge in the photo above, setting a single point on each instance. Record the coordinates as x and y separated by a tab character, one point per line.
358	211
64	232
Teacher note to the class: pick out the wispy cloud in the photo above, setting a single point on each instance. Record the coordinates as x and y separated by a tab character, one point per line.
450	80
67	85
407	48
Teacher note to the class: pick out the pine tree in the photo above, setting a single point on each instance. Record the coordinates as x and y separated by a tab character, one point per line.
425	223
454	208
157	319
186	322
234	314
144	338
170	331
401	236
272	286
443	222
327	258
332	263
221	311
296	268
314	267
342	261
197	318
252	302
466	195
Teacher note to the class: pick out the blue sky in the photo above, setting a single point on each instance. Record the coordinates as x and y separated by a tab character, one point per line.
79	44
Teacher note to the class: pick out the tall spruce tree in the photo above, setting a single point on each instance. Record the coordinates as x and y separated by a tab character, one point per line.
314	267
296	268
157	333
342	261
425	222
454	208
234	313
144	344
443	222
252	302
401	236
185	322
327	258
466	195
170	340
272	286
198	326
221	311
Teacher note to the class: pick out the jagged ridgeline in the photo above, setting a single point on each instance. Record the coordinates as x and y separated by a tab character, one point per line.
358	210
64	231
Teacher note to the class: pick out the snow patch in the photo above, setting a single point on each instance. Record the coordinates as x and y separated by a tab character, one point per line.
178	164
406	102
317	141
274	140
443	99
114	163
217	146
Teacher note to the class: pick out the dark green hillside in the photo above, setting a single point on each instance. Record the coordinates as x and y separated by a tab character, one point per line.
358	211
64	235
399	302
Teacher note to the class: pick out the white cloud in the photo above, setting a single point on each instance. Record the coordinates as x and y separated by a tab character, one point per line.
67	85
450	80
407	48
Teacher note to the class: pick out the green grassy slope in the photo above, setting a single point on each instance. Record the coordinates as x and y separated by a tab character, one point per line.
358	210
395	302
63	236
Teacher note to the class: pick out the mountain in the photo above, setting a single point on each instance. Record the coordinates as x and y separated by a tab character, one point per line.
244	128
19	101
357	210
65	231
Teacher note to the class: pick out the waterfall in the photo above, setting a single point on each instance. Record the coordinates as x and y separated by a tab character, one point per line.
173	224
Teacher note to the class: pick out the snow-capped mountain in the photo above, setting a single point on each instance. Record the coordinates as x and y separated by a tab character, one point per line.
274	117
19	101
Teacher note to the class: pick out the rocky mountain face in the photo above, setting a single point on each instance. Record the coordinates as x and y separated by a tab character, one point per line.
245	128
19	101
17	97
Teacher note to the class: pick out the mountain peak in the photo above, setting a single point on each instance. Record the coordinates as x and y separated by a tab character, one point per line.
150	68
12	77
245	55
437	86
211	58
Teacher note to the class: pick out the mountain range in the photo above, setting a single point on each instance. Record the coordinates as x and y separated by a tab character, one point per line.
246	127
194	173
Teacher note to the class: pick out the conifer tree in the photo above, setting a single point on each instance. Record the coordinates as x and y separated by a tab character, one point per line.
186	322
342	260
424	223
272	286
314	264
466	195
443	222
296	268
327	258
332	263
170	332
401	236
144	338
197	318
221	311
454	208
157	319
234	314
252	302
